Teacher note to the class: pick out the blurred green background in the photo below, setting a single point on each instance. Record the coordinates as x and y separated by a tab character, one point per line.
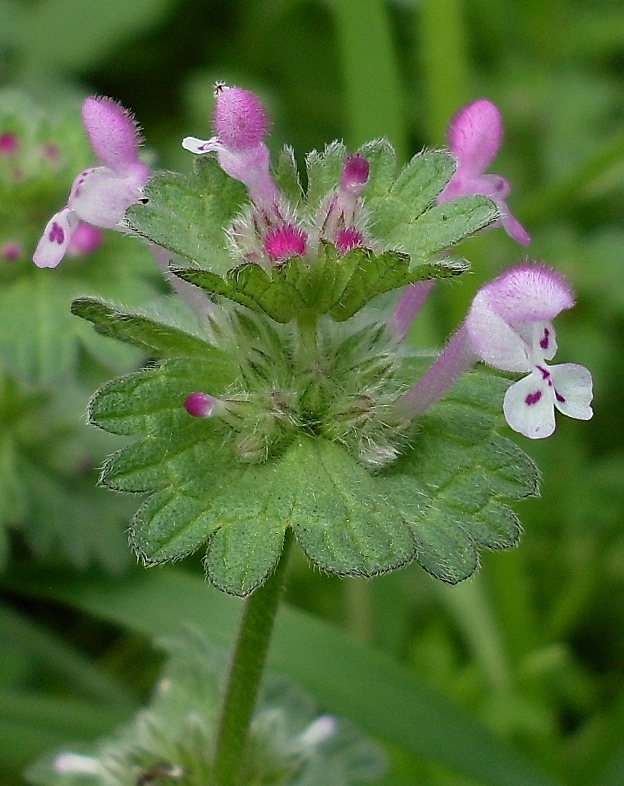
533	648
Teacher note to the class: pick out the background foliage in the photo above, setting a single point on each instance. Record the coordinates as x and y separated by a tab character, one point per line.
512	678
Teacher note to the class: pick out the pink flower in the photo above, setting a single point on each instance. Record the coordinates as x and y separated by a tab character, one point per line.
241	123
100	195
509	328
474	138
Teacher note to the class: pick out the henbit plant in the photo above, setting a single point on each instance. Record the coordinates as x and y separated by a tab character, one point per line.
288	406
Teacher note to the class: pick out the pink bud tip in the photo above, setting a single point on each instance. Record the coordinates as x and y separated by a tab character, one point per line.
528	292
355	174
112	131
11	252
199	405
285	242
8	144
348	239
240	118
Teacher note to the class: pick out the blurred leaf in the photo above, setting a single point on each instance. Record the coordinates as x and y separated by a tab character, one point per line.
369	688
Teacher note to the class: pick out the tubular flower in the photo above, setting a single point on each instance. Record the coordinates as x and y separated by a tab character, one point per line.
100	195
509	328
241	123
474	138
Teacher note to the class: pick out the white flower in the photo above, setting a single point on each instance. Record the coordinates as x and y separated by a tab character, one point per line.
509	328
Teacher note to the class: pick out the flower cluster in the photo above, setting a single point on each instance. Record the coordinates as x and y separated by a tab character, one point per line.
508	325
271	231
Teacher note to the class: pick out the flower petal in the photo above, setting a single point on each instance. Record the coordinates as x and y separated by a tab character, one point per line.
529	407
103	197
573	390
201	146
113	133
512	226
543	340
529	292
493	340
54	242
475	135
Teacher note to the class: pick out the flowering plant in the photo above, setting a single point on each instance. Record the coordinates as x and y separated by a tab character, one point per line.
284	404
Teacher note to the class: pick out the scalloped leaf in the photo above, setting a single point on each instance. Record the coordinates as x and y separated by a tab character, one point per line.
188	215
340	286
445	498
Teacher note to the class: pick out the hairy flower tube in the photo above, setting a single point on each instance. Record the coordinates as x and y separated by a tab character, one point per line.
509	327
100	195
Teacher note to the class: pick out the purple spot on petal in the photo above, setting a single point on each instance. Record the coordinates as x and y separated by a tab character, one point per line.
545	374
56	234
533	398
545	340
559	398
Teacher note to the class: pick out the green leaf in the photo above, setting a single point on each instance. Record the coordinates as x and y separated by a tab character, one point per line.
382	160
375	274
453	485
156	338
188	215
441	501
443	226
153	398
324	171
340	520
273	294
338	285
286	176
423	179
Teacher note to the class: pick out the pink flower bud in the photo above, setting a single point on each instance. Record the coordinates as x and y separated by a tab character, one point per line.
11	252
285	242
201	405
355	174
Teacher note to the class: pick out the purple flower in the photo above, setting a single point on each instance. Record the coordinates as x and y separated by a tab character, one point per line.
241	123
509	328
474	138
100	195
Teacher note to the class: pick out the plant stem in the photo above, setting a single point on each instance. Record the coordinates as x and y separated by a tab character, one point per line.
246	668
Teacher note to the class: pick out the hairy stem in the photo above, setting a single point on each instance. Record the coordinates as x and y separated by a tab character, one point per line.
246	669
